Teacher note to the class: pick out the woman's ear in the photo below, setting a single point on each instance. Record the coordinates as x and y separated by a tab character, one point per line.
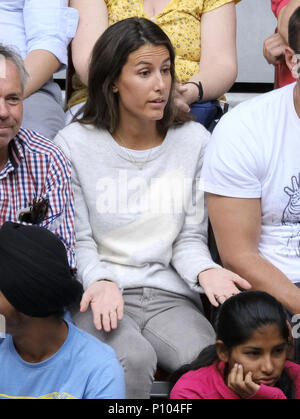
222	351
115	88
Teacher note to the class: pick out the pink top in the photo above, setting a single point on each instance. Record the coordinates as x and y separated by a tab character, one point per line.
277	5
208	383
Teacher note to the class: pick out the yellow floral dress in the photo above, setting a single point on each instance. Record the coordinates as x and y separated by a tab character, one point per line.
180	20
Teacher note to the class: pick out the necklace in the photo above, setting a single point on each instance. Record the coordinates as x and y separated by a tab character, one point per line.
140	163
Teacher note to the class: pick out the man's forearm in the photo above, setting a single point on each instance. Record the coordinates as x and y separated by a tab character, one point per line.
264	276
40	65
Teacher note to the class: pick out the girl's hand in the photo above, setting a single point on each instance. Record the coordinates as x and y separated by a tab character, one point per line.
243	387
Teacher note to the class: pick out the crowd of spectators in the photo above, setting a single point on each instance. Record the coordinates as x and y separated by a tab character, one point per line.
105	208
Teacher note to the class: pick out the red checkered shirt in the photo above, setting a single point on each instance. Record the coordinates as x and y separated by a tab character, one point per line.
37	168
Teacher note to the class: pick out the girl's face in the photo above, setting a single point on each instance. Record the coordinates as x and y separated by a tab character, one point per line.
144	84
264	354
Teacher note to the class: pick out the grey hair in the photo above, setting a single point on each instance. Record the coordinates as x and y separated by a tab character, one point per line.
11	54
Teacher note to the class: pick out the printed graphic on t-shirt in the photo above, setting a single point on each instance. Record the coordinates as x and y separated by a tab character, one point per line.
291	216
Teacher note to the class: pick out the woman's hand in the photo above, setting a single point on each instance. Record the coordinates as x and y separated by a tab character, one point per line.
243	387
220	284
106	302
184	95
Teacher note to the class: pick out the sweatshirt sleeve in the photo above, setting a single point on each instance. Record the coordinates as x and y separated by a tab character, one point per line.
267	392
90	268
186	388
182	393
293	370
190	250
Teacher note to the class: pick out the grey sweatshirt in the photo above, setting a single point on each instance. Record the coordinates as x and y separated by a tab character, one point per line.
140	220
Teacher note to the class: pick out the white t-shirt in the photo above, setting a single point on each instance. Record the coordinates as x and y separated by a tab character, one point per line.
255	153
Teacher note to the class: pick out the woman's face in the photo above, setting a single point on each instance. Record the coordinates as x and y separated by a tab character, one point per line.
264	354
144	84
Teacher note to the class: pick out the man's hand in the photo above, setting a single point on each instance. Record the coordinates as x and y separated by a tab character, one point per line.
106	303
219	284
274	49
243	387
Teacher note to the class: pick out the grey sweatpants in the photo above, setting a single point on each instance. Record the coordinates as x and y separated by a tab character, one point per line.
158	328
43	111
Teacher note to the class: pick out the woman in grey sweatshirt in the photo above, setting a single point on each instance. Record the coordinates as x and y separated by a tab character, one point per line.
141	223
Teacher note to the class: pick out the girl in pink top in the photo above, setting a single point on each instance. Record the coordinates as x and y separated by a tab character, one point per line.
249	359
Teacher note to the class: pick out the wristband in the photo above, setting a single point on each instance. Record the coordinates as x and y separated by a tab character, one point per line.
200	88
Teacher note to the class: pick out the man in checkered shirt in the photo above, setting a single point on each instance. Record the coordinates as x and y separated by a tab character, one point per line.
32	168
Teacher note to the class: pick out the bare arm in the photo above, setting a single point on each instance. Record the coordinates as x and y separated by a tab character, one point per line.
92	23
218	63
236	223
48	30
40	65
284	17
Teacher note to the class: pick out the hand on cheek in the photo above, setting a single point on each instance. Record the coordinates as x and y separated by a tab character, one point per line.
242	386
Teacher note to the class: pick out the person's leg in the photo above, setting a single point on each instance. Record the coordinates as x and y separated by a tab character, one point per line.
178	330
43	111
134	352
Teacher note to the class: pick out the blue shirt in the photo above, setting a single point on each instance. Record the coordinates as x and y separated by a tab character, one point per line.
83	368
29	25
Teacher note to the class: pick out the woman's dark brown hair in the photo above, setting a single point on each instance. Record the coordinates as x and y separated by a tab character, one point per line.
109	56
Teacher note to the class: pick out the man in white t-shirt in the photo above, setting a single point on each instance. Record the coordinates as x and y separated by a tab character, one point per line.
251	174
